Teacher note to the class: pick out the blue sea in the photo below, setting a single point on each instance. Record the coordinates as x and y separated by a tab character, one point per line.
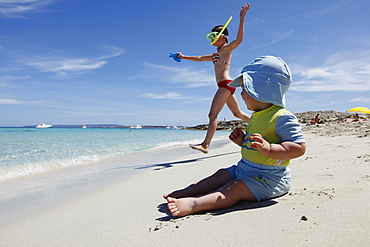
28	151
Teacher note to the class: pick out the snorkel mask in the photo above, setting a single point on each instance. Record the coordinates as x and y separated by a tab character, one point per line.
214	36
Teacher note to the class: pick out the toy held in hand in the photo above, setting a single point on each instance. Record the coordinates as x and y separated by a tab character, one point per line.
175	57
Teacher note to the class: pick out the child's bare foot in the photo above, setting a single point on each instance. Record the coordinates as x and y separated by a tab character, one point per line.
166	195
199	147
181	207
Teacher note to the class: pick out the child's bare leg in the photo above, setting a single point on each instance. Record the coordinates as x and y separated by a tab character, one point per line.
233	105
204	186
218	103
204	146
225	197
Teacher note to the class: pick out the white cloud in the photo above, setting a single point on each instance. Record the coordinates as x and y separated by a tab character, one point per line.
360	100
280	37
20	102
343	71
11	102
65	67
344	5
112	51
171	95
5	80
18	8
13	78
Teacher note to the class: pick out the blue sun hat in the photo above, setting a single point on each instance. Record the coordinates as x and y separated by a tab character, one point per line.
266	79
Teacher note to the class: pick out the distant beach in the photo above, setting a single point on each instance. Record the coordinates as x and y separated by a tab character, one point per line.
328	204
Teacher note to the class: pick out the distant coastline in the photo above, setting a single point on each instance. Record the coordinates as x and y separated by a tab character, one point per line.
107	126
328	116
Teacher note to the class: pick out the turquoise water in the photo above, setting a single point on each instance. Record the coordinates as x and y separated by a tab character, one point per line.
26	151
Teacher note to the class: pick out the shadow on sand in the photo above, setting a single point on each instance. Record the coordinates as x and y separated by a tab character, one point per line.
161	166
171	164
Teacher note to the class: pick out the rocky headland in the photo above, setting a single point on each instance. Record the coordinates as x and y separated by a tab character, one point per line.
332	123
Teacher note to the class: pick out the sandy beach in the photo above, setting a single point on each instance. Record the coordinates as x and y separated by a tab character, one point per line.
328	204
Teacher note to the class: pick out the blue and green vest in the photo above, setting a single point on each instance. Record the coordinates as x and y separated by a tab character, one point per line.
263	122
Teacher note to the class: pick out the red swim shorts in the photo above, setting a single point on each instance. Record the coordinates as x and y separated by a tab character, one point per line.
223	84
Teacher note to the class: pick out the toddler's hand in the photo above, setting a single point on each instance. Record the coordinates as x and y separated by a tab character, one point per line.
260	144
237	136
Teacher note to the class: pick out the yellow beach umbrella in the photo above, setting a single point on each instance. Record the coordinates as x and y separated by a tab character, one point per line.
360	109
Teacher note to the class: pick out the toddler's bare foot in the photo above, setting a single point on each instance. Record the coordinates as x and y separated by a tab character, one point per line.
181	207
177	194
199	148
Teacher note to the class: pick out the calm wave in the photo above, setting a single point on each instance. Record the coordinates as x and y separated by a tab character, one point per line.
26	151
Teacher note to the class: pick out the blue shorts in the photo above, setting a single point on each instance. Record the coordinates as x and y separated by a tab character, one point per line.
265	182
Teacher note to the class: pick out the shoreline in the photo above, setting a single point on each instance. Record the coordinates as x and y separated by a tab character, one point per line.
327	205
35	157
76	181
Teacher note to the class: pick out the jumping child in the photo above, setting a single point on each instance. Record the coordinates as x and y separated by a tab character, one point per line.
221	60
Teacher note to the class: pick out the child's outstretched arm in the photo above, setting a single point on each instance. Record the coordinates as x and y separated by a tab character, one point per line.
239	38
195	58
283	151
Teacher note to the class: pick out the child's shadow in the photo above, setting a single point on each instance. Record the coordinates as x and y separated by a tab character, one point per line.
237	207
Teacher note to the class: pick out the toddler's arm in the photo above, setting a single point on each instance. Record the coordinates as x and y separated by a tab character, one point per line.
283	151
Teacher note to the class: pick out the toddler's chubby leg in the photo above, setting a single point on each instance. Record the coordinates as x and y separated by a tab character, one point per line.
225	197
204	186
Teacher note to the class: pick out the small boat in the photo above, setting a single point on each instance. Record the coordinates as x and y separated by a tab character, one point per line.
42	125
136	127
84	126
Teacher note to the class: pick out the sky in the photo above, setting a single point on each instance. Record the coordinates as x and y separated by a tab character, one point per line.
107	62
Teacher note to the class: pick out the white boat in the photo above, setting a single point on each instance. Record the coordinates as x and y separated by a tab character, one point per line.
136	127
42	125
84	126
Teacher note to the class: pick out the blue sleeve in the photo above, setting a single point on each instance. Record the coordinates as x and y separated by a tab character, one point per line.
288	128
